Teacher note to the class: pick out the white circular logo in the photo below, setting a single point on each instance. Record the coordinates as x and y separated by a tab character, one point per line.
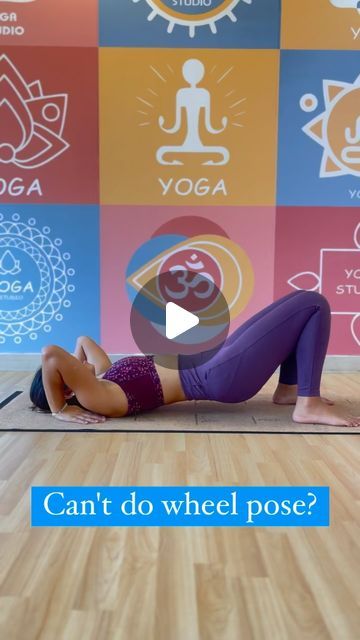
193	13
34	279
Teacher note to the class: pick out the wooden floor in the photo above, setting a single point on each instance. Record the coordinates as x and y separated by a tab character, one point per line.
179	583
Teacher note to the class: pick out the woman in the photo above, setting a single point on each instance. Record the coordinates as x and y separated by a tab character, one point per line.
292	333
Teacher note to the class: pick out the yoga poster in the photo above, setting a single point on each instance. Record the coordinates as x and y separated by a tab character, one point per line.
330	265
191	127
49	125
166	108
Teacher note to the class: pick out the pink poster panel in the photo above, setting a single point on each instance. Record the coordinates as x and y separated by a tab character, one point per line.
146	231
318	249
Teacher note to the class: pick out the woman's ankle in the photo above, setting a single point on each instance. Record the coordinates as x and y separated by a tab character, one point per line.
307	401
287	387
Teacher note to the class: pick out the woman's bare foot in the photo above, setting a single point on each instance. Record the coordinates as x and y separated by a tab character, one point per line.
314	411
287	394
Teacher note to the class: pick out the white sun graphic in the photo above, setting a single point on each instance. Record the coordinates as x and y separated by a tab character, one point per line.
182	13
337	128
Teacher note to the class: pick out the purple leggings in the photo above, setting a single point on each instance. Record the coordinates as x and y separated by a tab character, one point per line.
292	332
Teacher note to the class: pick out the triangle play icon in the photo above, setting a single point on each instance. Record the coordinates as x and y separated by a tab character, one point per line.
178	320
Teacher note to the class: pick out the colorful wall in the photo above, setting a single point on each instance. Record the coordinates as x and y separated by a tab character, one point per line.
102	148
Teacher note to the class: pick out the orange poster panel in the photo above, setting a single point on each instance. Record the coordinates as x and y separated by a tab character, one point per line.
320	24
188	127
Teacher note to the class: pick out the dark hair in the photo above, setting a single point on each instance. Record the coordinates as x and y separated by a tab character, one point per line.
38	395
37	392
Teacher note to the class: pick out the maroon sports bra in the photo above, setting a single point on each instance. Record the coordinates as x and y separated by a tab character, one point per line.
138	378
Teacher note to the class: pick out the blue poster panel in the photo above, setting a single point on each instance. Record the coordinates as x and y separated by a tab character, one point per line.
49	276
319	128
223	24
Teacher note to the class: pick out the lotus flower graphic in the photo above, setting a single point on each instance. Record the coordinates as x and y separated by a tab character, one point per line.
31	123
9	265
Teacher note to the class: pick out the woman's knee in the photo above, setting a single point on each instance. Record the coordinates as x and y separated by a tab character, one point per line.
317	298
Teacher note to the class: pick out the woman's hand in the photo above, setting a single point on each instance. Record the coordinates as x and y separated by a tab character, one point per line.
74	413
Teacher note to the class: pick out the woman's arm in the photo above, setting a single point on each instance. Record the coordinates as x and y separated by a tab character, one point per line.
87	350
54	385
58	370
101	397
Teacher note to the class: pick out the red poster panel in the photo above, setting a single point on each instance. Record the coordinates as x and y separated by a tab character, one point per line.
49	22
49	125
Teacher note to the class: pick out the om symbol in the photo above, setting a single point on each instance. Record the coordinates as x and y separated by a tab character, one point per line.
199	279
193	278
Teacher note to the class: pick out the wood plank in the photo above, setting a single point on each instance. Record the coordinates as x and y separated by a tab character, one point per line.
194	583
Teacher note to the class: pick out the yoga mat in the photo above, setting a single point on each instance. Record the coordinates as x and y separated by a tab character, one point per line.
258	415
7	399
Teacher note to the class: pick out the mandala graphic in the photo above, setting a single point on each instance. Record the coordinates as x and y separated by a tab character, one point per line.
34	280
337	128
193	13
31	122
344	297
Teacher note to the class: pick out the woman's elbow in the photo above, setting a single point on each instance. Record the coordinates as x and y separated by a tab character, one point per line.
49	351
83	339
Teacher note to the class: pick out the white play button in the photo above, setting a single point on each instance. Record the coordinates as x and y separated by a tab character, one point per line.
178	320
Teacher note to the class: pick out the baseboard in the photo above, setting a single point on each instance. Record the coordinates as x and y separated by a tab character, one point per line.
342	363
31	361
